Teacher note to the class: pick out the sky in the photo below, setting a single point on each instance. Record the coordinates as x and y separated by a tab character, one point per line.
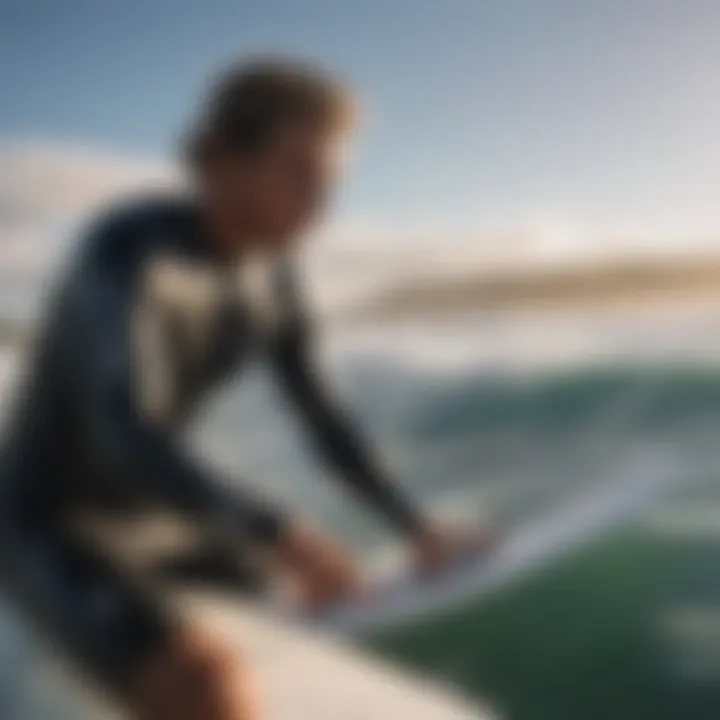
565	122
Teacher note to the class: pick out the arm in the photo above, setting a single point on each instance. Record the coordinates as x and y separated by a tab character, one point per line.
335	435
99	364
342	446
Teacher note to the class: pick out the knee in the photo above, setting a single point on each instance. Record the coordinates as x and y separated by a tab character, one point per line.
196	670
207	662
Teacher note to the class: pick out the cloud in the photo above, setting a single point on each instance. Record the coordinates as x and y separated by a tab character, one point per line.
45	190
44	180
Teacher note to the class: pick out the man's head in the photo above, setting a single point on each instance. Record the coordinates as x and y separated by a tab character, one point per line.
269	148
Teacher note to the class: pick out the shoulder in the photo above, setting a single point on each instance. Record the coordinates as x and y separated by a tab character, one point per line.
127	230
114	246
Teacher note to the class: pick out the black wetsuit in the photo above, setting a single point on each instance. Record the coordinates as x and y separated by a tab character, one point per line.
146	322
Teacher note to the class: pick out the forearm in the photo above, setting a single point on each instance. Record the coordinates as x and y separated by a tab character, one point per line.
335	436
341	443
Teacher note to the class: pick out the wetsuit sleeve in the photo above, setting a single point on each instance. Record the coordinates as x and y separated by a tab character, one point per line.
100	364
335	435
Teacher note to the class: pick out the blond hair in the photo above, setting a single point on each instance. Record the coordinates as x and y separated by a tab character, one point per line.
252	99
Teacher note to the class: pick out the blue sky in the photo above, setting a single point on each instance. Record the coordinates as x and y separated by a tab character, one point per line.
590	117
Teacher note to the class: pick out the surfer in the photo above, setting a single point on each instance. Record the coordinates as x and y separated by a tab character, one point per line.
164	299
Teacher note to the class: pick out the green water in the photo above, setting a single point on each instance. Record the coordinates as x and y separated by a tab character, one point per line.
587	639
583	641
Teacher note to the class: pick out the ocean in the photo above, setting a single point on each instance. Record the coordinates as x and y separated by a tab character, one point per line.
499	419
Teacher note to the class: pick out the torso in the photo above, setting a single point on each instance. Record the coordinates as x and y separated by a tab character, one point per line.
192	323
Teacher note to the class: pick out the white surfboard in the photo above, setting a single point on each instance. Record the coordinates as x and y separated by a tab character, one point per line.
303	672
401	598
307	669
300	676
310	677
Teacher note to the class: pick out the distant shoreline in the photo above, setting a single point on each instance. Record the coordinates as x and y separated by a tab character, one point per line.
623	282
618	283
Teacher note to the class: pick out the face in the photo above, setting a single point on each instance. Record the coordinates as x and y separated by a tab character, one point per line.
276	194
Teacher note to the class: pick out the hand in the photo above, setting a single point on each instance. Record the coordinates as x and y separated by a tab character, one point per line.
435	550
320	568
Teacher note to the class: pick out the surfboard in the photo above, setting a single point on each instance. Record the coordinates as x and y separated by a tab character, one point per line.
303	671
300	675
309	669
401	598
311	677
